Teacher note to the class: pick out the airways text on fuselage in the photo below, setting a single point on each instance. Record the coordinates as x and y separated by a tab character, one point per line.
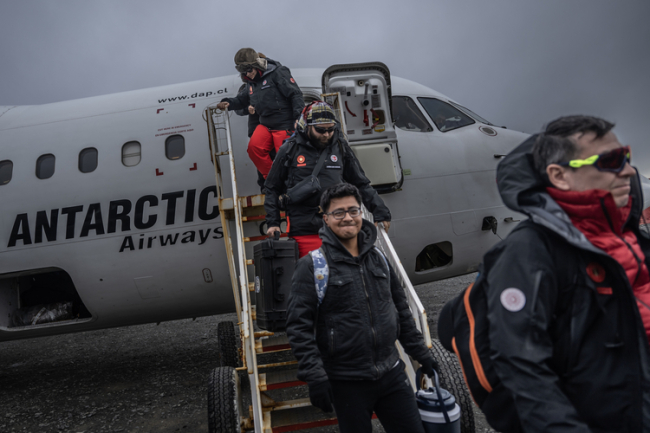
139	215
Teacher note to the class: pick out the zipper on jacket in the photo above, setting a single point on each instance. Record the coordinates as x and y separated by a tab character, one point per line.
636	258
332	342
372	324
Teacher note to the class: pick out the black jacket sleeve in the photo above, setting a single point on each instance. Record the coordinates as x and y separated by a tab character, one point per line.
409	336
275	185
302	312
239	102
521	346
290	90
354	174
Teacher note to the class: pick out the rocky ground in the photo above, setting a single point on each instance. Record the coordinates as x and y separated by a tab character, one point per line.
150	378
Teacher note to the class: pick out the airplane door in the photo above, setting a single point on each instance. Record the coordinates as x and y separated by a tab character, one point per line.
366	114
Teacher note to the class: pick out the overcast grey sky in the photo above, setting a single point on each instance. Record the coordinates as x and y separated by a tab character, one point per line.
518	63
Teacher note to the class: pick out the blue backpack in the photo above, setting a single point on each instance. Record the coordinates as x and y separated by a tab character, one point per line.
322	271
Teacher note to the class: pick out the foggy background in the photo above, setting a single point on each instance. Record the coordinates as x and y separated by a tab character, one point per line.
518	63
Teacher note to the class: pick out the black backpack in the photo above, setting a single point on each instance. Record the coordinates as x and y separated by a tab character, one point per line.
463	329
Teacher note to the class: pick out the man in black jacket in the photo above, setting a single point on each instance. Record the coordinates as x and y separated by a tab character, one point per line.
276	99
345	341
318	136
565	288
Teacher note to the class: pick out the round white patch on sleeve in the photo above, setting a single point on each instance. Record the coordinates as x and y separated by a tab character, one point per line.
513	299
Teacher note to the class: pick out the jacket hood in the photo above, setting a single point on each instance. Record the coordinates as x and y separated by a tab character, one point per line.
523	190
271	66
366	239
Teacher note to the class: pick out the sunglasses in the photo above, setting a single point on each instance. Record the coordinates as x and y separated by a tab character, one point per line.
613	161
339	214
324	130
244	69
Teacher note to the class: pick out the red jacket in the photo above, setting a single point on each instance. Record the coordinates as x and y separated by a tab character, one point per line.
595	214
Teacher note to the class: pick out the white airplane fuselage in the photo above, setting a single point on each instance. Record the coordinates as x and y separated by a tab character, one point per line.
144	243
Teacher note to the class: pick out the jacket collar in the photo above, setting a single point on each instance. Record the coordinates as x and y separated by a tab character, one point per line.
523	190
366	238
593	211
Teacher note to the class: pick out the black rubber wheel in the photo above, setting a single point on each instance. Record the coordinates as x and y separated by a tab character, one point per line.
228	352
451	379
224	402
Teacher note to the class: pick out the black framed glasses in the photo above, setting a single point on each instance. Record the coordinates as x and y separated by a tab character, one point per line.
244	69
339	214
613	161
324	130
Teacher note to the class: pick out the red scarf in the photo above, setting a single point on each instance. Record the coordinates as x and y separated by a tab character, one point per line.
595	214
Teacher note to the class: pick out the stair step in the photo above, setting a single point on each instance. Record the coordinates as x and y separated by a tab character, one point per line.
300	418
261	238
247	201
275	343
279	380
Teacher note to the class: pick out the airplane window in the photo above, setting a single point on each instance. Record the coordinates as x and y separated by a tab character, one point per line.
45	166
6	170
408	116
445	116
131	154
88	160
175	147
471	113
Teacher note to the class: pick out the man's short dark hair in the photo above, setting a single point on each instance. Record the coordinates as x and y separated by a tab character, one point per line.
554	145
339	190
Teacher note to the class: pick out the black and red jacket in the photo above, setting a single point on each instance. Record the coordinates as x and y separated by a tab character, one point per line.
295	161
595	214
275	95
574	354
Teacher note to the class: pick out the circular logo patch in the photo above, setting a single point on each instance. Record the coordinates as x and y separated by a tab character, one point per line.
513	299
250	90
292	80
334	158
264	83
301	159
596	272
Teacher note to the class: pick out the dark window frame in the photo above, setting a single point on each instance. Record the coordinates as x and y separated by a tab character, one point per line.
11	171
167	147
440	128
40	160
419	114
472	114
81	156
139	154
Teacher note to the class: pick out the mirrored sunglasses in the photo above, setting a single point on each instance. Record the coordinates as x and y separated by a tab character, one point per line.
323	130
613	161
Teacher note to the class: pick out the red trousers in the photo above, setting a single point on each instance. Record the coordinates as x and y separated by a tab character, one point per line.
307	243
261	143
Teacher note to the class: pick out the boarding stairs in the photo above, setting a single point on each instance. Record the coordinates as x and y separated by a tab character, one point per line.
276	403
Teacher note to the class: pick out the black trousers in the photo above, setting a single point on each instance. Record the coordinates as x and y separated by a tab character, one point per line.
390	397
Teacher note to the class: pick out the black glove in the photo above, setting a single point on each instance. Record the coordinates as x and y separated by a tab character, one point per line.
320	395
428	365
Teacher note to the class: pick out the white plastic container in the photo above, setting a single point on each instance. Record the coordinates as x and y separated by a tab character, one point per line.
433	413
